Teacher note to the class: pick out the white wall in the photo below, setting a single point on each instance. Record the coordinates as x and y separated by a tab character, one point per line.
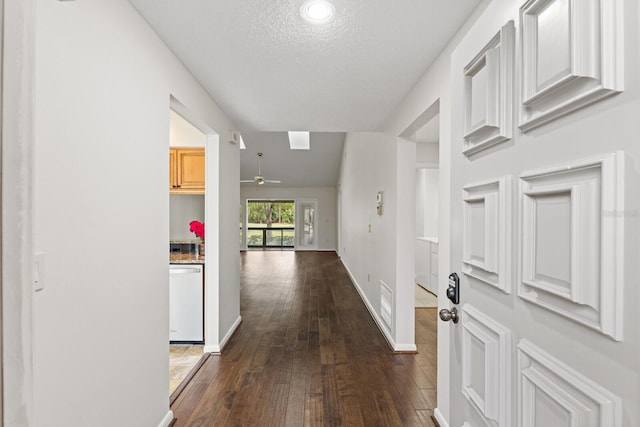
375	162
184	208
223	177
428	153
326	197
431	88
426	200
184	134
104	81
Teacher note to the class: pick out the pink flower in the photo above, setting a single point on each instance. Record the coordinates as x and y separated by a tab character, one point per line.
197	227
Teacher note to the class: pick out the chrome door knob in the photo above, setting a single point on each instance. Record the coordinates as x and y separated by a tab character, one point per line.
447	315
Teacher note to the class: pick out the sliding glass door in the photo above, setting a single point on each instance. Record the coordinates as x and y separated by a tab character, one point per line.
270	224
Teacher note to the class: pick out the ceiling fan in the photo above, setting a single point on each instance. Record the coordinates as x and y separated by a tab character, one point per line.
259	179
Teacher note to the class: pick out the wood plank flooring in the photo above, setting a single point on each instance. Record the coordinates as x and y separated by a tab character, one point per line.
308	354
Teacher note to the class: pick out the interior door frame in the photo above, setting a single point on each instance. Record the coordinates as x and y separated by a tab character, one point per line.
1	210
211	208
440	107
18	126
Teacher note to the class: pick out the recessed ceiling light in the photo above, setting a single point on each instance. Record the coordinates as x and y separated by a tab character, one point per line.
317	11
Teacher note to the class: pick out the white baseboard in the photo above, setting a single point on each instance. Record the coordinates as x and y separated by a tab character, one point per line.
211	348
217	348
372	312
440	418
230	332
313	250
406	348
166	420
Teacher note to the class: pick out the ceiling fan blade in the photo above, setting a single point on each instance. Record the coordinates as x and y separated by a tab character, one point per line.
247	180
273	181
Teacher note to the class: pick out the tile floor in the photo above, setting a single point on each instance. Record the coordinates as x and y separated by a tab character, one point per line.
182	358
425	298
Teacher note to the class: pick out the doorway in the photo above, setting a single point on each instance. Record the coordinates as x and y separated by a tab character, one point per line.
307	221
189	170
427	140
425	133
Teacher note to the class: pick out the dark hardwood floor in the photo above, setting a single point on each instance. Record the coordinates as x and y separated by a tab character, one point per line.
308	354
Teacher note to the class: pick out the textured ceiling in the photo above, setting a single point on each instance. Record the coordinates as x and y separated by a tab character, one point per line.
271	71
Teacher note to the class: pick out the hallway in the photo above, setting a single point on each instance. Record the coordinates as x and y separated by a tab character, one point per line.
308	353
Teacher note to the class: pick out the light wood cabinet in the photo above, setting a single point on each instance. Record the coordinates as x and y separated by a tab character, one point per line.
186	170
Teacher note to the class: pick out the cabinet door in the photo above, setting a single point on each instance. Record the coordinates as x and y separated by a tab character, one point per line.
173	168
191	169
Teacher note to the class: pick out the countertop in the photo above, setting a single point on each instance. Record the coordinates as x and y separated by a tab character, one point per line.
178	258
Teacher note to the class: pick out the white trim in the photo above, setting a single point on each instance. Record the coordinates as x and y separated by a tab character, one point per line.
584	400
596	59
604	292
405	348
18	105
211	348
217	348
212	216
427	165
495	407
495	269
372	311
440	418
376	318
166	420
1	214
315	250
497	59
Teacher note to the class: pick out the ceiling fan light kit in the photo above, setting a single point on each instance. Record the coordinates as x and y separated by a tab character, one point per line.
259	179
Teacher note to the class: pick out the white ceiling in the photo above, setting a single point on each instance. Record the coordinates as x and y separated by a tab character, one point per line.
269	70
317	167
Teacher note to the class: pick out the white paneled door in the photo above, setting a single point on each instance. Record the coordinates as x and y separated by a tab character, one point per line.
545	216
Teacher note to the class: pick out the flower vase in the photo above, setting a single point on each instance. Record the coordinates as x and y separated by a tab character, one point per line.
201	249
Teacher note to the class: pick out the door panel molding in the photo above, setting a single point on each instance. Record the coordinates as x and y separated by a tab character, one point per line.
488	363
583	38
569	398
488	93
493	197
572	228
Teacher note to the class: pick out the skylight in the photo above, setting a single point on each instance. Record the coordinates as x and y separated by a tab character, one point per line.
299	140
